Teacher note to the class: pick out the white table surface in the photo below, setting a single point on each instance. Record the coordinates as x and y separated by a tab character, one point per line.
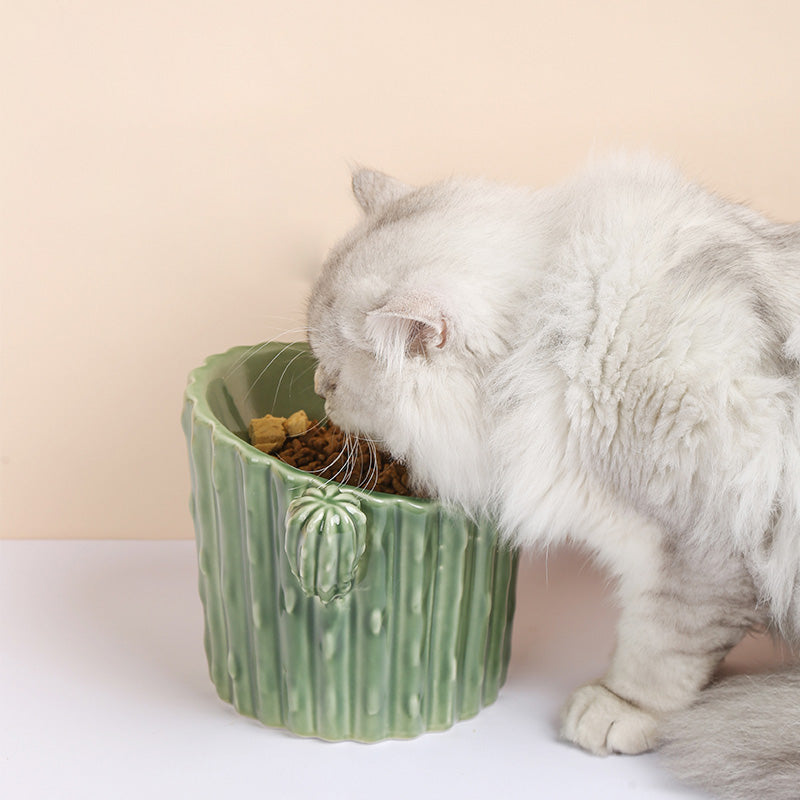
104	693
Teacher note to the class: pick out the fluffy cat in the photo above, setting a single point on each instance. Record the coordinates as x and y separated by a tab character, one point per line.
614	361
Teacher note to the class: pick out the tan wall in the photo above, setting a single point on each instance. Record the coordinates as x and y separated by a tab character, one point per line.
173	172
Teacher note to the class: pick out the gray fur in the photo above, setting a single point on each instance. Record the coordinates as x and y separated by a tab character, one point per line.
612	361
741	739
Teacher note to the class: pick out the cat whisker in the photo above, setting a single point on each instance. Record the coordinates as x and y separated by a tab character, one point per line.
365	474
325	467
351	458
333	463
254	350
355	460
300	375
378	442
368	474
344	452
263	371
316	426
257	348
364	463
283	375
372	474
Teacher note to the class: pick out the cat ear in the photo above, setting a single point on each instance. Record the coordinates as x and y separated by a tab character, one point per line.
408	324
374	190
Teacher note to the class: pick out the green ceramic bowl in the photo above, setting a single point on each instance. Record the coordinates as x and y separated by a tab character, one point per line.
331	611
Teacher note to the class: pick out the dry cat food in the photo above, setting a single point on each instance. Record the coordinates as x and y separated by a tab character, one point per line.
302	443
269	433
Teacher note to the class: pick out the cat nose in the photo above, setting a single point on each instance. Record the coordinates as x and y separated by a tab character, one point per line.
318	382
322	383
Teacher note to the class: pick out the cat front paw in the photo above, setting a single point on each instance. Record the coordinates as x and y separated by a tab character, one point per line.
599	721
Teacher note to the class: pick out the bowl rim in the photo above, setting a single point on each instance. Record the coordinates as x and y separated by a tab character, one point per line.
195	394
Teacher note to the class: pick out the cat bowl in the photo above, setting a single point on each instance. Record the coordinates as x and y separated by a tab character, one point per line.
332	611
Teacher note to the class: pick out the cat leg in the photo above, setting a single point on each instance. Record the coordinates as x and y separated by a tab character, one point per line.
670	639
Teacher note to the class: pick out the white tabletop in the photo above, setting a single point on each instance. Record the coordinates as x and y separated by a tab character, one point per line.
104	693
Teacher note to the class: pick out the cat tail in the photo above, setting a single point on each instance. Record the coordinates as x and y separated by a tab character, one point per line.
741	739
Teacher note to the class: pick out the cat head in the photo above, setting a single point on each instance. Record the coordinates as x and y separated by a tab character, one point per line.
411	309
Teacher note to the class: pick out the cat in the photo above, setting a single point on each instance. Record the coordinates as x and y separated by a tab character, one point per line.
613	361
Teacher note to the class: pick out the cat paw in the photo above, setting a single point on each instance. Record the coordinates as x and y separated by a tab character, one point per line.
601	722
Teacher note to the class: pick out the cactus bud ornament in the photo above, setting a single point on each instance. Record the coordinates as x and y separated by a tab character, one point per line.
326	536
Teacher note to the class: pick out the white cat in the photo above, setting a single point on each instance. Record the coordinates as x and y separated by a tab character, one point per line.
614	361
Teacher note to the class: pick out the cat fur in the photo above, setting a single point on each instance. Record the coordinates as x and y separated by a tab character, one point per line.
611	361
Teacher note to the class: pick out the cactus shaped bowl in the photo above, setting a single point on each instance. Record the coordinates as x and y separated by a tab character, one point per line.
332	611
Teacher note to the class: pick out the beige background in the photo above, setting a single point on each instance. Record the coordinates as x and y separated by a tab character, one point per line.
172	174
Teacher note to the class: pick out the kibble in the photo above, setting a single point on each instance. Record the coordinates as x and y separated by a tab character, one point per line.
323	450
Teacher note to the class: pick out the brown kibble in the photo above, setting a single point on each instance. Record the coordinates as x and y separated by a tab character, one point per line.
297	423
267	433
322	451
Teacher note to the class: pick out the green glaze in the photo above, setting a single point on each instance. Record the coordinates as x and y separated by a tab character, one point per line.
326	535
333	612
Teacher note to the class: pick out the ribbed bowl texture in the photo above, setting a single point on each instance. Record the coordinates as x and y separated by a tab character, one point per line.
332	611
